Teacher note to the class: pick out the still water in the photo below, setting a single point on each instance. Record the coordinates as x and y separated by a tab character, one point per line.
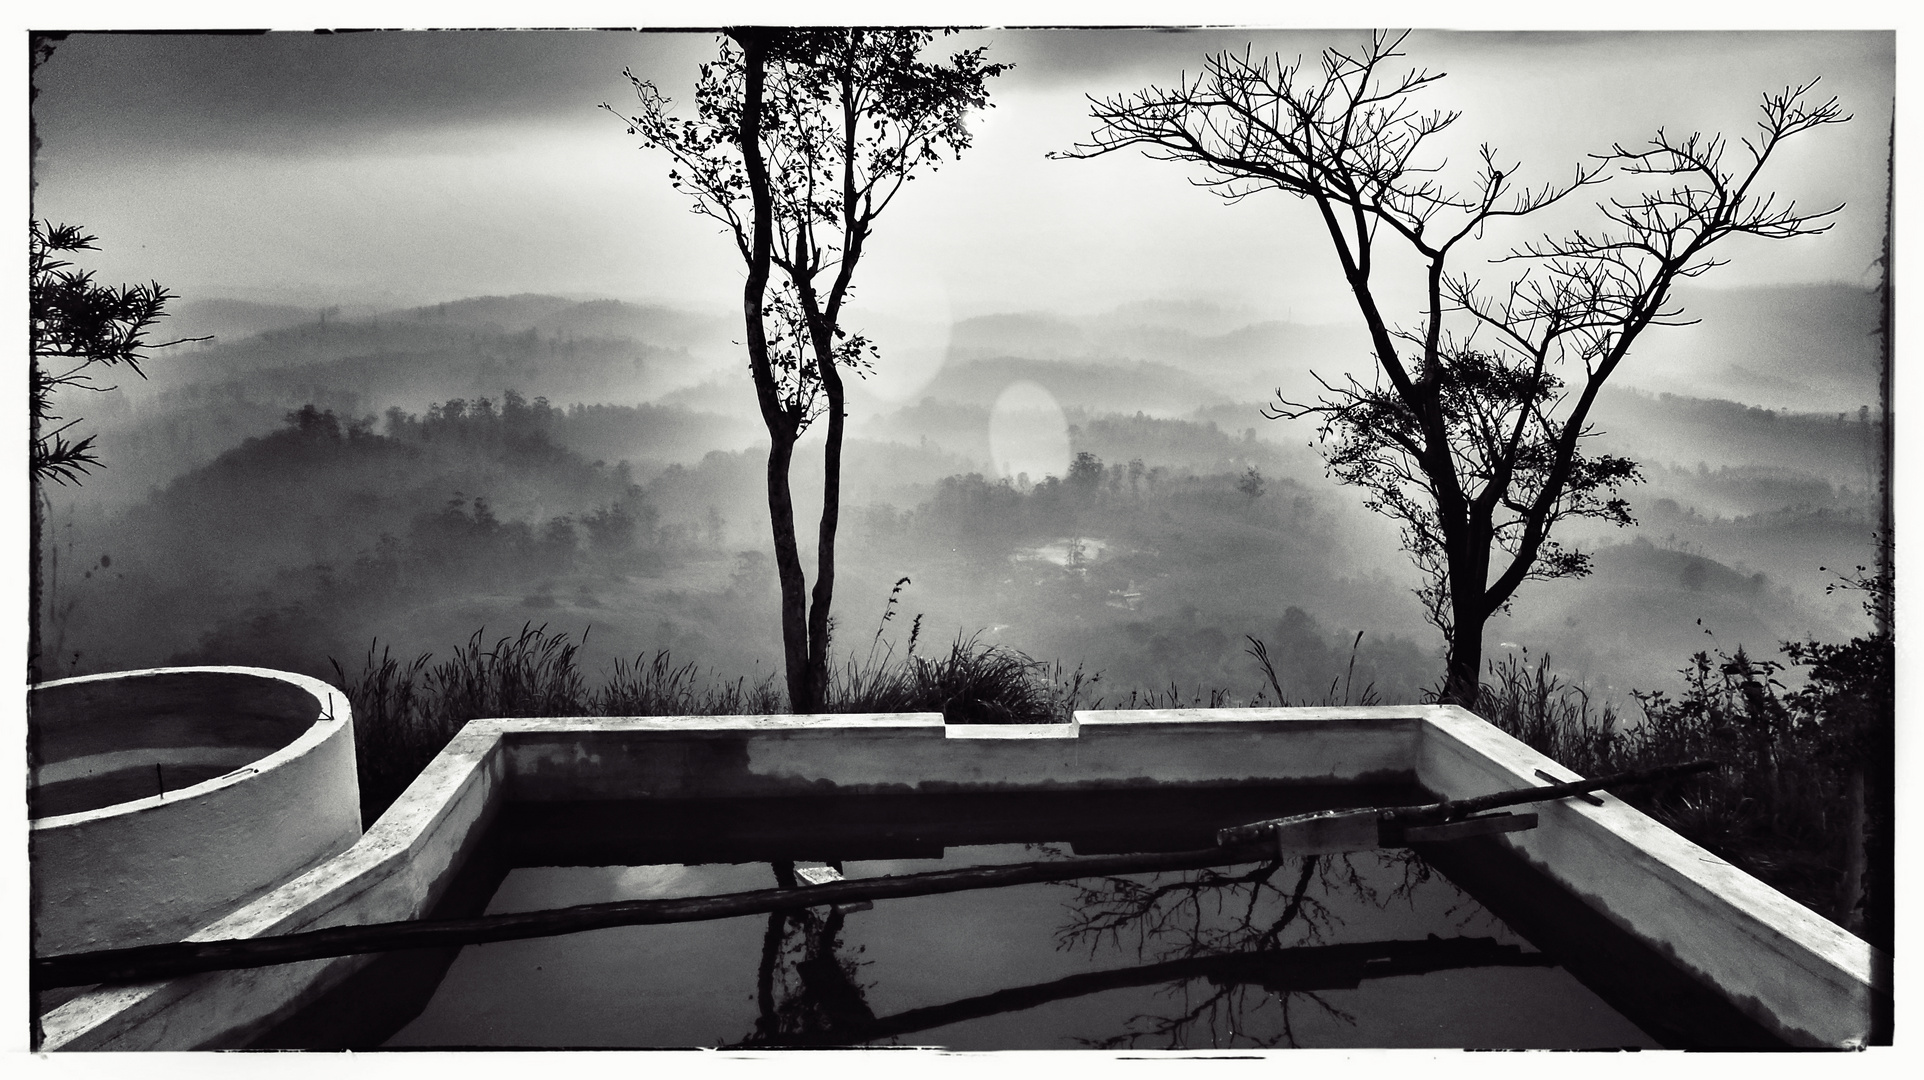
1374	949
1181	960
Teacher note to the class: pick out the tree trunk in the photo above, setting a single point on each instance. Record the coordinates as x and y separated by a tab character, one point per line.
818	627
788	568
783	424
1463	670
1469	569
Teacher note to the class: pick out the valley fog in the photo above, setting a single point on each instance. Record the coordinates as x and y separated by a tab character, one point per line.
1097	491
470	365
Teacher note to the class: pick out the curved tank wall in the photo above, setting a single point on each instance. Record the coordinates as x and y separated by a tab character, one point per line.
164	799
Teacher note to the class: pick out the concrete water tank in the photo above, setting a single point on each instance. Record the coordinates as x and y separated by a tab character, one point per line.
163	799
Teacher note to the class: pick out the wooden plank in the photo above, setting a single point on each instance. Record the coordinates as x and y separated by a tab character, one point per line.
1486	825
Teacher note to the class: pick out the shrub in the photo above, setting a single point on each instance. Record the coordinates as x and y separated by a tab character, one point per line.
1784	806
976	683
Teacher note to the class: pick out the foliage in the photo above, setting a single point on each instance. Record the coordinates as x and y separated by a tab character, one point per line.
975	683
404	714
1781	807
1468	437
76	326
1250	483
801	139
1368	434
661	687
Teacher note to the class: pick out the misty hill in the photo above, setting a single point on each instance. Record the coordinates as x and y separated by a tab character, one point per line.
198	396
1235	358
300	545
1660	429
649	437
227	319
501	314
1797	347
1646	602
1194	443
657	324
1807	348
339	520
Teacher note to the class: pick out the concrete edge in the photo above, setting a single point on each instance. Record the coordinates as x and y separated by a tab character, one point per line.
457	791
1291	715
1011	731
332	713
696	725
1819	950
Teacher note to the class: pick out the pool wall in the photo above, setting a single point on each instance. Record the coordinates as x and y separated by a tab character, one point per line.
1793	972
242	778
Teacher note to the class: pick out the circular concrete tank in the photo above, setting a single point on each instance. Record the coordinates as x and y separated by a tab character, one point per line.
163	799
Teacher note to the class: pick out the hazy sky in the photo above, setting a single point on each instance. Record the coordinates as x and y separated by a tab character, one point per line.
402	168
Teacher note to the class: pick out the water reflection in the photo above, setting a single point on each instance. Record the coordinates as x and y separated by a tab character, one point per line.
806	991
1238	953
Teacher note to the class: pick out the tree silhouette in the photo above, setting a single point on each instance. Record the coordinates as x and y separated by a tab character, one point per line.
801	139
75	327
1468	436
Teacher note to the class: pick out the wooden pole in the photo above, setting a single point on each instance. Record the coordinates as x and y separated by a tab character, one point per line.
1242	844
1452	809
1392	821
145	962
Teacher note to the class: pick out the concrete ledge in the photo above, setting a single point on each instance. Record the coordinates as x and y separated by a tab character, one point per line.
1790	969
397	871
282	797
1010	731
627	758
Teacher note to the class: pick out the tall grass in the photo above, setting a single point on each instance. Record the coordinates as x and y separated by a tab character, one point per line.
405	713
974	682
660	687
1782	806
1788	804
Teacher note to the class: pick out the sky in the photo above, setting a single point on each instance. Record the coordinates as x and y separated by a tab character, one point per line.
405	168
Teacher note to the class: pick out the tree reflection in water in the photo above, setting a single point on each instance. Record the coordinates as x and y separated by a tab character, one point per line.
806	992
1222	914
1256	938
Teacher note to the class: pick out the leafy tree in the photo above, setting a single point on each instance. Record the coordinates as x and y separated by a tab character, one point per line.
1085	472
1852	694
76	327
1468	436
1251	484
801	139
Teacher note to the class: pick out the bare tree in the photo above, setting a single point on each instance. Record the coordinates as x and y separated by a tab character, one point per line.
802	139
1471	434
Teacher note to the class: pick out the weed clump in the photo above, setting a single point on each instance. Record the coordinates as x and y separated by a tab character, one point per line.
406	713
1789	805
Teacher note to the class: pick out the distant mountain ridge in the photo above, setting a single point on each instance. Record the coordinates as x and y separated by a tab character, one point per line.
1805	348
1802	347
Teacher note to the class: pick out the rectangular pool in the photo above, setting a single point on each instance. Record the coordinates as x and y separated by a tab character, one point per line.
1597	928
1372	949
